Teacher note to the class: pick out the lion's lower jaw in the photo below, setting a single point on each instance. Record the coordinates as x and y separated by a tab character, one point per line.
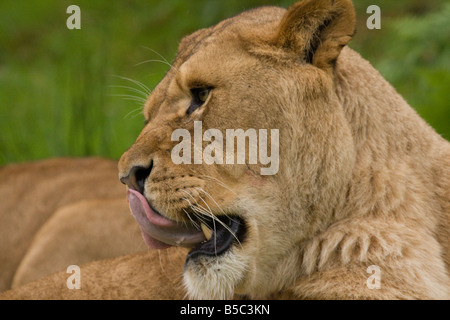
214	277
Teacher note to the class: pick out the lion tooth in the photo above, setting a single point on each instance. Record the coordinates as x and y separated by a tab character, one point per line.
206	231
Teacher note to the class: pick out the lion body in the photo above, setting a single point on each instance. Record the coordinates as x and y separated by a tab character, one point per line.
363	181
52	213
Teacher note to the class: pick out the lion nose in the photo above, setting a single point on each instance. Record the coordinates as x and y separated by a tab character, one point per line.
136	177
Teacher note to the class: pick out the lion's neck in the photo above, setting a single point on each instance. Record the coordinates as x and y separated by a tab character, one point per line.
399	157
402	168
398	198
376	112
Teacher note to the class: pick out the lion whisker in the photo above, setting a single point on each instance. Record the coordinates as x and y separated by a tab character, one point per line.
225	214
199	211
160	263
212	199
144	94
219	182
195	224
213	220
202	210
136	82
161	56
200	216
129	97
153	60
137	112
214	217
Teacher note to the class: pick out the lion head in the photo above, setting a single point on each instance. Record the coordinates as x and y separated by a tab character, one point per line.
268	79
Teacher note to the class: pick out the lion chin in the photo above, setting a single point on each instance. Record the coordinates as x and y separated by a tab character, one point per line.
277	163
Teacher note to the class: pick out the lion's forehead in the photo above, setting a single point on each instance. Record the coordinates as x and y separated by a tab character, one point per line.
231	29
226	37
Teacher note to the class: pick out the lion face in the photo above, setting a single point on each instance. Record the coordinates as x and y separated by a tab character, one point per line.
262	73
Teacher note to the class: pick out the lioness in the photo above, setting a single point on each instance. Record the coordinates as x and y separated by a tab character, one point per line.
363	183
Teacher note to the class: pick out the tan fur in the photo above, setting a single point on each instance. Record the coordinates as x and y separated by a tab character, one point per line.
79	233
59	212
136	276
363	180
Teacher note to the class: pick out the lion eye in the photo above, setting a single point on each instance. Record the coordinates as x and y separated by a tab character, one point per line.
199	97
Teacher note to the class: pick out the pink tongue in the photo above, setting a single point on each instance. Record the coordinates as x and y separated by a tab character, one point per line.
157	231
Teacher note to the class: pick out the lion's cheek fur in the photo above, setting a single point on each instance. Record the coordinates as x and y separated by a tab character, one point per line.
317	157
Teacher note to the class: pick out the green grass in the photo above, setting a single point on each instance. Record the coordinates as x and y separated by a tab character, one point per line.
78	93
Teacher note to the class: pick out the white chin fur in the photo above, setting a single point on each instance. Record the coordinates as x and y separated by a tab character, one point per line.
214	277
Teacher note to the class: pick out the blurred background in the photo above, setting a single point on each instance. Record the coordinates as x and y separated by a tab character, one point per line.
80	92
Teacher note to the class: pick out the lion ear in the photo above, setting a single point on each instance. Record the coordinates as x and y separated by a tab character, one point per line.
317	30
